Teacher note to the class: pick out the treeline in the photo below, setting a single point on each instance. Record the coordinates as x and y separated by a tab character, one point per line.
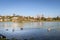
28	18
49	18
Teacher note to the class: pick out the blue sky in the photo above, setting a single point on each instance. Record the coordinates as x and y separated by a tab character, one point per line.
30	7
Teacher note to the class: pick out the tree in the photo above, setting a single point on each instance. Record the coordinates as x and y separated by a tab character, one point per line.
58	18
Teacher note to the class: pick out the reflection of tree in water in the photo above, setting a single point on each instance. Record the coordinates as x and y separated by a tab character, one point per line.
14	25
17	26
21	25
36	24
6	26
13	30
2	25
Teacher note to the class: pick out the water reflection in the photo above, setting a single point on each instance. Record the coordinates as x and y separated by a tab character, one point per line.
21	25
12	25
13	30
15	25
30	29
49	29
40	24
6	29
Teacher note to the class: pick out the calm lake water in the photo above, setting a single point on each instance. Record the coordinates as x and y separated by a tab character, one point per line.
31	30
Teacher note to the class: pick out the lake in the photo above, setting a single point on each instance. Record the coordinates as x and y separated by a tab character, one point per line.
31	30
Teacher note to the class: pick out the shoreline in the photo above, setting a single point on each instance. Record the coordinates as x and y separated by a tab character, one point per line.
30	21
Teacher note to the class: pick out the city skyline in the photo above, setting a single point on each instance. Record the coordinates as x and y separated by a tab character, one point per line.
30	7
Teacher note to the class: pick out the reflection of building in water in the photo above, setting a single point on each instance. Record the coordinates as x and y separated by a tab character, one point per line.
21	25
6	25
40	24
15	25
